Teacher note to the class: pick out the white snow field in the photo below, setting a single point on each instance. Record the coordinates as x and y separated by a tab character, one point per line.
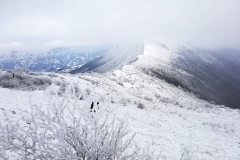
172	122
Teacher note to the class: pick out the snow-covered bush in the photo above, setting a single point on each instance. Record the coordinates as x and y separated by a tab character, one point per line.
208	105
126	79
34	73
120	81
19	79
73	90
141	105
68	130
88	91
77	90
157	95
166	100
62	87
52	75
5	76
123	101
176	103
65	131
112	99
186	154
148	98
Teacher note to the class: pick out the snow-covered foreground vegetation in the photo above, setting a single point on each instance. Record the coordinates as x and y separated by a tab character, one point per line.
167	121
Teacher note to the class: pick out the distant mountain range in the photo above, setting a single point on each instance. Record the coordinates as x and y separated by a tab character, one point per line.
61	59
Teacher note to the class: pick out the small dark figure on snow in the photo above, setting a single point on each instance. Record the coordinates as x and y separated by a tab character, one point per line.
92	105
97	105
91	108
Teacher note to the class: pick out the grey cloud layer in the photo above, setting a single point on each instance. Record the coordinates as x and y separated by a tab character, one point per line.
38	25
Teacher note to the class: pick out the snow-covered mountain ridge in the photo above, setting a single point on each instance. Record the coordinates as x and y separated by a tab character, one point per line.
152	89
113	59
213	75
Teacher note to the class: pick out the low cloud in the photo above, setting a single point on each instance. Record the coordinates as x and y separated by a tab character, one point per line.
55	43
40	25
7	47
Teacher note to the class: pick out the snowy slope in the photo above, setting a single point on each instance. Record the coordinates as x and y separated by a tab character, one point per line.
173	122
210	74
113	59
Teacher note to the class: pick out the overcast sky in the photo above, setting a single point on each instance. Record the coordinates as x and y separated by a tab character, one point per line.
37	25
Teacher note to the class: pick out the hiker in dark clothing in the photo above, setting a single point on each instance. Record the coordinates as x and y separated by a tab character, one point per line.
91	108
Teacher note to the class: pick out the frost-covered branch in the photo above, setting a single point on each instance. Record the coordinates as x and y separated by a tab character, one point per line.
66	129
